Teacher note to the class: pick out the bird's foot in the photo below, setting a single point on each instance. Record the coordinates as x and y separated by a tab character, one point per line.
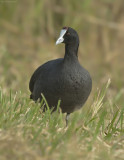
67	118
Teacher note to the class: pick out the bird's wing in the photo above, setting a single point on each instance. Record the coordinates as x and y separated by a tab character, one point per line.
42	70
34	78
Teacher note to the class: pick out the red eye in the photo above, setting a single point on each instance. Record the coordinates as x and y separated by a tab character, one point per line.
68	33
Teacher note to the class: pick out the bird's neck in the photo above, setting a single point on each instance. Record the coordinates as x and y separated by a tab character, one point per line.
71	52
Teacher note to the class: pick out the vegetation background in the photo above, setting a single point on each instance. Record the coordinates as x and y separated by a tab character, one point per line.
28	31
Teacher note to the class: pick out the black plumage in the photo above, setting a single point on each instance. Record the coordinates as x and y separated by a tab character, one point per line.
63	78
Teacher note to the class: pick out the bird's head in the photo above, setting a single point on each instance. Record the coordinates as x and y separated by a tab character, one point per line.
68	36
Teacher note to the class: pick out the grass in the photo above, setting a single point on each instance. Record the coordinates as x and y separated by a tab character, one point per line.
26	132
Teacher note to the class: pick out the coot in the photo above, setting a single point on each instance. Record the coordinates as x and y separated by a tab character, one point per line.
64	78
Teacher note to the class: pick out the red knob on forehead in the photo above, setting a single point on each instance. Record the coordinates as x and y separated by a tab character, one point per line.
65	28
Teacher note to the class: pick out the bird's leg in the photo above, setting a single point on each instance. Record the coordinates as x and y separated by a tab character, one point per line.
67	118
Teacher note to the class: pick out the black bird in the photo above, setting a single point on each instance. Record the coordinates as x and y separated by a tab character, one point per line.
64	78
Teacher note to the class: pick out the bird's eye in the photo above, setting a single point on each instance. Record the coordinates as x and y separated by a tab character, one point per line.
68	33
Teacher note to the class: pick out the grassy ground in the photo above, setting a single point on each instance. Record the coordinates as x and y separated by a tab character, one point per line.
95	132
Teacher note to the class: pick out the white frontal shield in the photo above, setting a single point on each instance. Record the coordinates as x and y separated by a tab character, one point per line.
61	39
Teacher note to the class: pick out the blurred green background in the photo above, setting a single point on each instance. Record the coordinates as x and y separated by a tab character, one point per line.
29	29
